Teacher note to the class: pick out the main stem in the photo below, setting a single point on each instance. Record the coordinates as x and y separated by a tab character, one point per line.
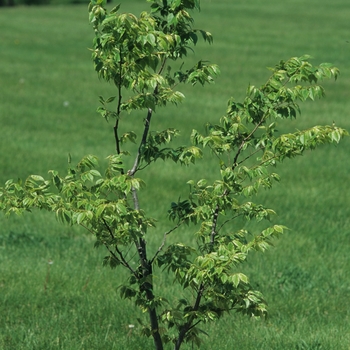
133	170
146	265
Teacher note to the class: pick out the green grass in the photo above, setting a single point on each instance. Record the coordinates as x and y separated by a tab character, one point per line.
47	110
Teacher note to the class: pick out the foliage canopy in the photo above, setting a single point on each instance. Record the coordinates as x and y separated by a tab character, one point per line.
144	58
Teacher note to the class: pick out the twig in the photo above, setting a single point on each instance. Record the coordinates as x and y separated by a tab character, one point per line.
188	325
121	258
228	220
245	140
164	240
213	226
133	170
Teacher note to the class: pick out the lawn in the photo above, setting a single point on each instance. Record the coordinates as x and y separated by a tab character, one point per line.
54	292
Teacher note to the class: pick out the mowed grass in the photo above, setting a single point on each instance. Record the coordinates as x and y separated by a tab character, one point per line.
54	292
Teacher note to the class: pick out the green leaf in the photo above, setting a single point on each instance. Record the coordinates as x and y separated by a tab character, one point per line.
235	280
80	218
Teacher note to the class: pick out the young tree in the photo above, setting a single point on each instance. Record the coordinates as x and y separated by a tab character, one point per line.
139	55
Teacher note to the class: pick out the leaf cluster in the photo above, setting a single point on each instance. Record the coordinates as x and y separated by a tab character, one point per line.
134	52
248	147
83	197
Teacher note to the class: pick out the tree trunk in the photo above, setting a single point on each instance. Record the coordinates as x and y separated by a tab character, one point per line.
147	287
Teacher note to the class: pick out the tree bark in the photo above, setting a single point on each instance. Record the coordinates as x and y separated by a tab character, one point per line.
148	288
146	265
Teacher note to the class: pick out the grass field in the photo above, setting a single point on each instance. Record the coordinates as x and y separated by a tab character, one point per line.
54	292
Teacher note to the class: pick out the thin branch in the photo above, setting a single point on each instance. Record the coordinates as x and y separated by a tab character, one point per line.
245	140
188	325
120	84
116	126
112	253
250	155
213	226
164	240
215	220
133	170
141	245
227	221
116	136
88	229
162	66
194	325
215	154
121	257
199	297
